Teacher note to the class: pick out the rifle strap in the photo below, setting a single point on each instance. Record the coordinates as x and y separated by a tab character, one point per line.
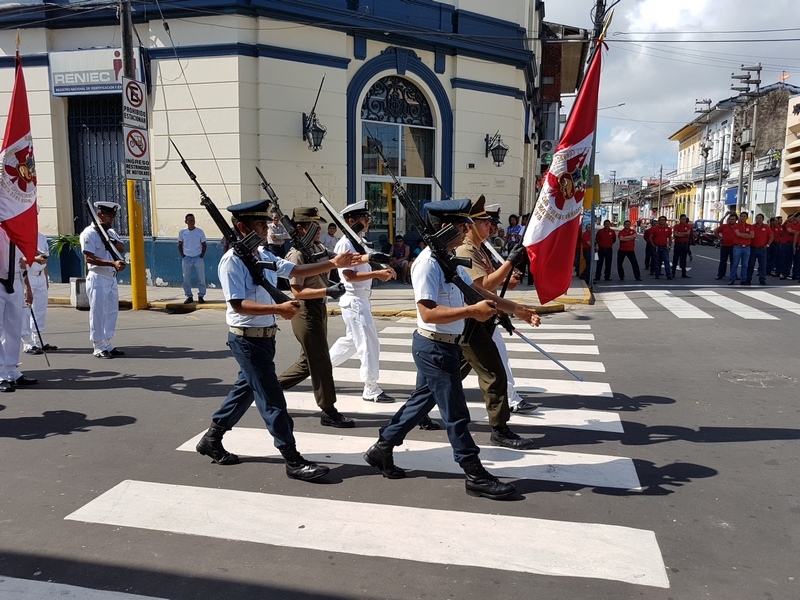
9	283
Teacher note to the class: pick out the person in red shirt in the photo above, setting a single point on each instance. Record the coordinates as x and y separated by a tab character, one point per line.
762	239
773	254
791	239
787	248
662	240
743	237
627	245
604	244
682	233
725	234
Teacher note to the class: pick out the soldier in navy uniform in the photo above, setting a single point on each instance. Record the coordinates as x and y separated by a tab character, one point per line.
251	318
437	355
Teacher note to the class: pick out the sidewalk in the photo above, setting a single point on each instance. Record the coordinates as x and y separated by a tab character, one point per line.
388	299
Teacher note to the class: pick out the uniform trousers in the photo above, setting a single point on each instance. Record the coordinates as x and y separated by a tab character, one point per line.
649	263
11	315
725	257
39	288
194	264
360	338
796	268
785	259
741	256
759	254
661	255
438	384
257	381
631	256
482	355
679	256
310	327
772	257
604	257
103	309
513	397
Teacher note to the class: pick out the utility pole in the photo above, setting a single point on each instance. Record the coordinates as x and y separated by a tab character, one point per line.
704	148
719	181
748	135
660	177
135	213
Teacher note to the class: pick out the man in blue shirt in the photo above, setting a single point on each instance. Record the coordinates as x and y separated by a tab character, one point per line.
251	317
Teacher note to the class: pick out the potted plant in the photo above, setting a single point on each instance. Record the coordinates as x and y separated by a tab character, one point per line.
67	247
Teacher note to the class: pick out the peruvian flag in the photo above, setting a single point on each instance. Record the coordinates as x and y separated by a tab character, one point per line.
18	177
553	228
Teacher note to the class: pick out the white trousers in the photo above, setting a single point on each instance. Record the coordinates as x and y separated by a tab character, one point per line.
513	397
103	309
40	293
360	338
11	313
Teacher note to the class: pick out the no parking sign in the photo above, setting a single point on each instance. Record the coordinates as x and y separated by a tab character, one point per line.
137	153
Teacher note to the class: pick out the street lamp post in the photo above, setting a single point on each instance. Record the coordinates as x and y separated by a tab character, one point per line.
748	139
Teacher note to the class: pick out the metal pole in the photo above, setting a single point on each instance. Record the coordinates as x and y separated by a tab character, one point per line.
719	181
750	196
135	212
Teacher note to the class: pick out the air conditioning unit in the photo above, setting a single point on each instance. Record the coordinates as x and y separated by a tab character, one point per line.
547	146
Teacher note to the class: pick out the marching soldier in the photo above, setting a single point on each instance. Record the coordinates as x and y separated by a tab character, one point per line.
310	326
251	316
437	355
101	282
361	336
486	350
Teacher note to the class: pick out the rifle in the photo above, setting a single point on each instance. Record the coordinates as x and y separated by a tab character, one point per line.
348	231
437	241
302	243
107	242
243	248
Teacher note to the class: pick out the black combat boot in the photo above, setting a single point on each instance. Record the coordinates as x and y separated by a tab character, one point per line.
298	467
482	483
503	436
211	445
429	424
380	456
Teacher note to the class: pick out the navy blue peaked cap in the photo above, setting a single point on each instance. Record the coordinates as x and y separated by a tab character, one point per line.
254	208
450	211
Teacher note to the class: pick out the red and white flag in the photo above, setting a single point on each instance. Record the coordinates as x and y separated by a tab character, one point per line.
18	178
552	232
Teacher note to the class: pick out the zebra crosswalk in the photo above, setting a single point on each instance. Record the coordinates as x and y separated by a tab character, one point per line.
393	530
748	304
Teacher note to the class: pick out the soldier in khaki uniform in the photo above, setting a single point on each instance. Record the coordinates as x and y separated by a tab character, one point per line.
481	354
310	327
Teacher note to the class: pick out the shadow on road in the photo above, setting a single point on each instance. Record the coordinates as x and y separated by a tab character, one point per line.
57	422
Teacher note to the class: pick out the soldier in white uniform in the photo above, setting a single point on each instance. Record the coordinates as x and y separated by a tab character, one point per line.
36	315
361	336
14	292
101	282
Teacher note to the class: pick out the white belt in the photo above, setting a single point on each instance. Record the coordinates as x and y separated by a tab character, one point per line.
445	338
111	273
359	293
255	332
39	274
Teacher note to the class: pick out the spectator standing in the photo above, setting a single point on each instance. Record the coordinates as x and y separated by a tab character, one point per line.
513	232
776	224
329	240
586	250
741	249
192	248
649	263
627	249
727	239
662	241
792	236
604	244
277	236
36	314
762	239
682	234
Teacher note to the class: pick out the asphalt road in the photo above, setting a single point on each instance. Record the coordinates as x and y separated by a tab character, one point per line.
703	410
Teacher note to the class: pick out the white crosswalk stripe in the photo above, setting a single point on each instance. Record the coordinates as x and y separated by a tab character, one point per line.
632	304
24	589
548	547
541	546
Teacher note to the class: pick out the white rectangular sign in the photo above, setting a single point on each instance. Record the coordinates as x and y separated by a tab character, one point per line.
94	71
137	153
134	103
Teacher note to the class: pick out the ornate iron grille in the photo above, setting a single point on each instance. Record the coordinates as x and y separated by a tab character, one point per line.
396	100
97	160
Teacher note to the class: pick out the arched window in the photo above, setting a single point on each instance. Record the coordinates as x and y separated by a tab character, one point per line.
396	114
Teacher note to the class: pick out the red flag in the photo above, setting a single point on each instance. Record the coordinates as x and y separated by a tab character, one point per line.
18	178
553	228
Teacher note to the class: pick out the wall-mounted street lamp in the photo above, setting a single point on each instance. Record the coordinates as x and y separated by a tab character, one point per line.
313	130
496	146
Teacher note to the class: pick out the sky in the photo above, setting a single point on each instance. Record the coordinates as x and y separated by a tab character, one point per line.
659	82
